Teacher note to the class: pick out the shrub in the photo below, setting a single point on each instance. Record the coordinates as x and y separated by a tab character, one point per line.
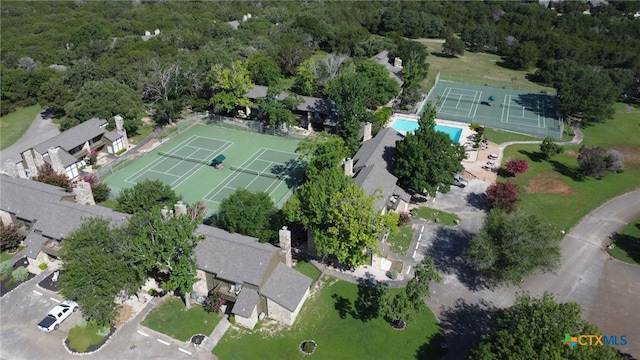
517	166
405	218
43	266
10	237
213	302
549	148
122	151
47	175
504	196
6	267
592	160
82	322
152	292
232	319
615	161
20	274
393	275
104	331
100	190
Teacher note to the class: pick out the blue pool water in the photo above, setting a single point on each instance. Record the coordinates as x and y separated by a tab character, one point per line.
411	126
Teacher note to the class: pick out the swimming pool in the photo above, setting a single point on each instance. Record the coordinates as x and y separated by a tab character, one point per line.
412	125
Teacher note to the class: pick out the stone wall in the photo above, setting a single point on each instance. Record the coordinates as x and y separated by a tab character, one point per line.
249	322
282	314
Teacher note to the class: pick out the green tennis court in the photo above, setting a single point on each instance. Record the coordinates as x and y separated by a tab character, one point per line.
529	113
252	161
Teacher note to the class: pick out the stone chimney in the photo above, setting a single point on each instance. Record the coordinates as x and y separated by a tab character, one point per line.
156	32
11	168
397	63
83	193
21	172
31	164
6	218
121	130
284	235
147	33
348	167
56	163
367	132
180	208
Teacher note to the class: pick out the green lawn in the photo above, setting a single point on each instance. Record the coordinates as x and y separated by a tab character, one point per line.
330	320
308	269
444	218
80	338
142	134
14	125
399	243
500	136
477	68
171	318
5	255
627	244
109	203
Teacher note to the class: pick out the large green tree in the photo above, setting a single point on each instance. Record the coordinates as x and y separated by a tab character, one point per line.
248	213
230	84
104	99
147	195
511	247
428	159
534	328
382	87
322	152
264	70
96	269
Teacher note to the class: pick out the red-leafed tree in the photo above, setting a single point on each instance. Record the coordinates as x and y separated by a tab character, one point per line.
47	175
504	196
10	237
99	189
517	166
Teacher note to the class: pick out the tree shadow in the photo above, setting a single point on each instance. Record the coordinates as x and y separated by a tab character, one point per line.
539	104
443	55
479	201
343	306
448	253
534	156
291	172
504	173
433	348
630	244
573	173
465	323
366	306
389	157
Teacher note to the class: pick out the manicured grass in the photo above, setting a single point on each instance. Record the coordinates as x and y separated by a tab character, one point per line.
444	218
308	269
142	134
627	244
618	132
14	125
399	243
330	319
173	319
80	338
5	255
499	136
477	68
109	203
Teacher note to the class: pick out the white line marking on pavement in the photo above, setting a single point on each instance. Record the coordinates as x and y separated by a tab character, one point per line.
409	269
56	300
414	254
37	292
184	351
422	230
418	243
162	341
420	237
141	333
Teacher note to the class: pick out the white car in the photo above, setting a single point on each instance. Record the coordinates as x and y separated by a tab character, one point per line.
57	315
460	181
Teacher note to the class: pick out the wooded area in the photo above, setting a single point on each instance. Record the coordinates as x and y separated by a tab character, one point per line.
81	58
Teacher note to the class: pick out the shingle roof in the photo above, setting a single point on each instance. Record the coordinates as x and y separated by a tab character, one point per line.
257	92
65	158
112	136
377	180
286	287
309	103
75	136
233	257
43	203
246	302
382	58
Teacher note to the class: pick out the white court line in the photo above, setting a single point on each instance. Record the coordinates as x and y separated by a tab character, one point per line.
232	177
56	300
445	94
476	104
141	333
184	351
37	292
162	342
154	162
504	105
285	152
135	181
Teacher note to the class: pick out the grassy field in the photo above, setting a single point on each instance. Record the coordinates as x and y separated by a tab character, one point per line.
341	331
80	338
430	214
627	244
171	318
308	269
556	191
477	68
500	136
399	243
14	125
143	132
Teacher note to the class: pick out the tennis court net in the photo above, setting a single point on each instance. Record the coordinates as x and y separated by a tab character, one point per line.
256	172
465	100
184	158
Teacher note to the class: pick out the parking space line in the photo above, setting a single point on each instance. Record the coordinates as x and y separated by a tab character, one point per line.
37	292
141	333
162	342
184	351
409	269
56	300
414	253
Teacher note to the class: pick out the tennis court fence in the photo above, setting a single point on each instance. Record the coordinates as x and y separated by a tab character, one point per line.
513	84
251	126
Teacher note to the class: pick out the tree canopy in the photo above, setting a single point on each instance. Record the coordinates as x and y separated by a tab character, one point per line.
230	84
511	247
248	213
428	159
534	328
147	195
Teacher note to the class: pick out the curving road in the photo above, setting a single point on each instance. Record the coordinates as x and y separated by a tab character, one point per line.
607	289
41	129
